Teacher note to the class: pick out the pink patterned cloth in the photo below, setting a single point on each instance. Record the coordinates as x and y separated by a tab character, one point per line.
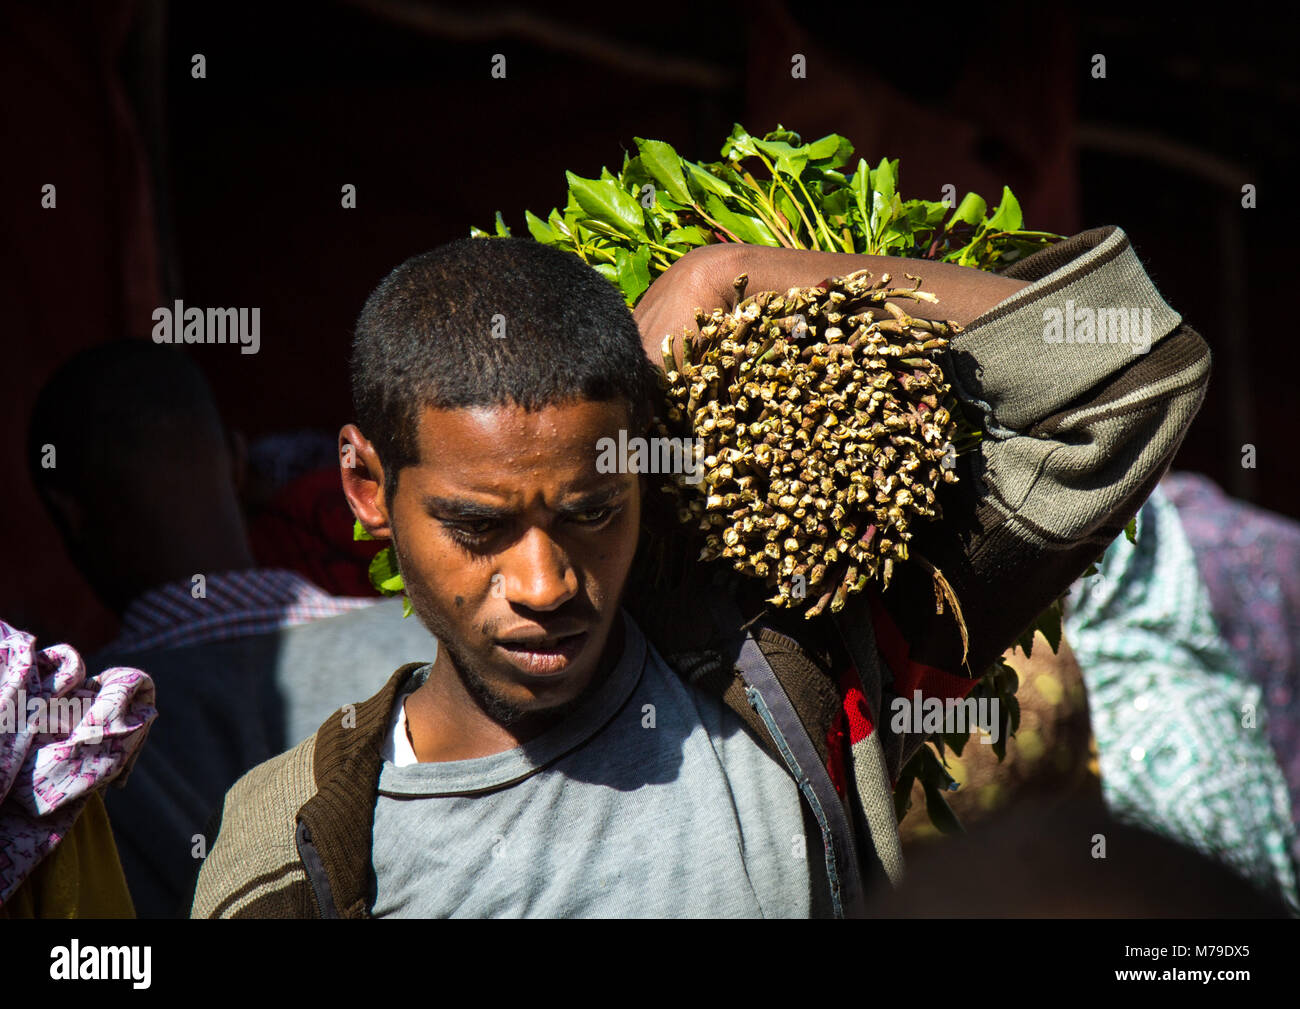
62	737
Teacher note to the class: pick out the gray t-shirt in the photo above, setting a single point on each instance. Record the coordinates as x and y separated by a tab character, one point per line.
651	800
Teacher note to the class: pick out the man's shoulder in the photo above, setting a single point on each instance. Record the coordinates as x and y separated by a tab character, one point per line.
284	781
254	853
254	868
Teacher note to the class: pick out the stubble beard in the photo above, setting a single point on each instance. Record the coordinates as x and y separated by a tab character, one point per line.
496	707
504	712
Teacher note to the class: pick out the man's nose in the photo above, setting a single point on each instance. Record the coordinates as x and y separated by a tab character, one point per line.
538	573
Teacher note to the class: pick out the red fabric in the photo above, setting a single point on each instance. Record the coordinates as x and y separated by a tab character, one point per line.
855	722
852	724
861	724
308	529
909	675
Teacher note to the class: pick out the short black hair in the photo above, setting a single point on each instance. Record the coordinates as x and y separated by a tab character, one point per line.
116	410
491	322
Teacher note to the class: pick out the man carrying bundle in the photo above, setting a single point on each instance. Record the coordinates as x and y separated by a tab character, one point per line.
588	745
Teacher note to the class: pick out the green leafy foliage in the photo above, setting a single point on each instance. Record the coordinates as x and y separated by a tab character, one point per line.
384	573
773	190
935	780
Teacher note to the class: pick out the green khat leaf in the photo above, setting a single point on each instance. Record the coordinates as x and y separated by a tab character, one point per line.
665	167
739	144
687	236
633	272
702	182
1026	641
540	230
384	574
604	201
1007	217
1049	622
935	781
833	151
748	229
969	211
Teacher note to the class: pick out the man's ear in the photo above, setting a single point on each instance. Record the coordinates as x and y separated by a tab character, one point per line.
363	482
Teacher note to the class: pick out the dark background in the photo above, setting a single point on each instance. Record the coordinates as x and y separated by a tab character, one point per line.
226	190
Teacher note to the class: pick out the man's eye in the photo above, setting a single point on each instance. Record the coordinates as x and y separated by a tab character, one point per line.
471	530
593	517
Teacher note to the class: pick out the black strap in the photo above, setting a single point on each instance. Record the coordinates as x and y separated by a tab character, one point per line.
843	870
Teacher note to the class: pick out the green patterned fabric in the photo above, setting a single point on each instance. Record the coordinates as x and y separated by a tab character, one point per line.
1180	728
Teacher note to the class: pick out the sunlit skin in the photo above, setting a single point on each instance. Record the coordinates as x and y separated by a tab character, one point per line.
505	532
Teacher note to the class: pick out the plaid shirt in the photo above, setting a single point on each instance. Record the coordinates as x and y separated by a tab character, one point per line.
235	604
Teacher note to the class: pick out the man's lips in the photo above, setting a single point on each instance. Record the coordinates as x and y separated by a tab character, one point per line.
546	656
541	639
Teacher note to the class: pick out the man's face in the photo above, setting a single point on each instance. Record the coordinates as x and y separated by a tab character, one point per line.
515	550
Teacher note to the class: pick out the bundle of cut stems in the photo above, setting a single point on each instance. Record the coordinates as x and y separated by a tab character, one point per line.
824	426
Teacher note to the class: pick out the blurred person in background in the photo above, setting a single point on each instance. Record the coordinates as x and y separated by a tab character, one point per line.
129	454
1183	731
1149	709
